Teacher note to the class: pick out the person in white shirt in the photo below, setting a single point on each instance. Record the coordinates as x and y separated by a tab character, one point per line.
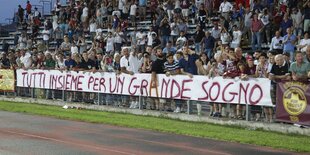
118	40
247	24
84	16
297	21
134	62
277	43
92	28
225	37
149	37
225	8
303	43
141	40
182	40
109	43
25	59
133	13
36	12
237	34
265	18
74	49
46	37
216	32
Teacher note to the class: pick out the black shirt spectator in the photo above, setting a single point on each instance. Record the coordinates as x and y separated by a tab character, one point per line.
5	62
87	64
199	35
5	46
280	70
158	66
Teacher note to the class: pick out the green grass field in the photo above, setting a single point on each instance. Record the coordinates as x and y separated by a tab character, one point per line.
198	129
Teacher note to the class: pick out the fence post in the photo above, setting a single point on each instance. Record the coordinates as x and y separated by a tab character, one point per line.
188	106
140	102
63	95
246	111
32	92
99	99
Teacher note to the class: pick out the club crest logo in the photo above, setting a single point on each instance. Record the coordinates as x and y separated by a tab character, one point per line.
294	100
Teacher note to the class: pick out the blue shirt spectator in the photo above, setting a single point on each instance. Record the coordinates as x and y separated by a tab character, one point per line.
289	45
142	2
286	23
189	65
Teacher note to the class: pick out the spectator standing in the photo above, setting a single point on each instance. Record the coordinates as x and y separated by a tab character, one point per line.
225	9
208	44
133	13
247	24
256	29
236	37
165	31
199	35
289	41
285	24
46	36
141	41
142	9
306	15
297	21
277	43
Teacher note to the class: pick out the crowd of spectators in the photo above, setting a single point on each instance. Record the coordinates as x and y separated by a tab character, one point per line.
110	36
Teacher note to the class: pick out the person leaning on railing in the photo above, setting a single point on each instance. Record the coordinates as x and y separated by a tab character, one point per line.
299	69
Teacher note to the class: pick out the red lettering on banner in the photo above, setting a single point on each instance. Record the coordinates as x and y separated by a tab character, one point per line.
94	83
73	82
245	90
53	81
90	80
30	81
129	88
185	89
24	75
164	83
256	86
102	81
205	91
79	83
144	84
120	83
60	82
231	93
68	83
44	80
218	91
175	83
113	90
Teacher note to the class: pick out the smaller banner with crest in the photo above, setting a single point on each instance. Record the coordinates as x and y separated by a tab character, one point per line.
293	103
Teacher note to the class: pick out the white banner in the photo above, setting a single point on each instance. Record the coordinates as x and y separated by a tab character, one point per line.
254	91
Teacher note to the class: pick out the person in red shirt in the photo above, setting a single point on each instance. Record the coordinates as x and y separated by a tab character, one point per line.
256	29
28	8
